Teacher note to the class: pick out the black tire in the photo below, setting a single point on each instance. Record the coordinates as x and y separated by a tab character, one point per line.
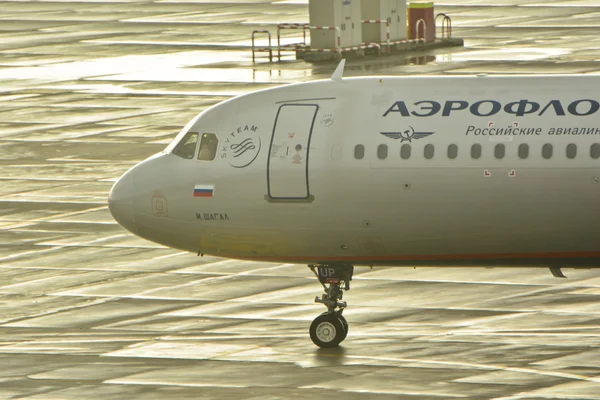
345	324
327	330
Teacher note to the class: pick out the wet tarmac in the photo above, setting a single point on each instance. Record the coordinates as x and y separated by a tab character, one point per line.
87	310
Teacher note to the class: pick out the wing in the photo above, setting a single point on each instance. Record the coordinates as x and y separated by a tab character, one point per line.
392	135
421	135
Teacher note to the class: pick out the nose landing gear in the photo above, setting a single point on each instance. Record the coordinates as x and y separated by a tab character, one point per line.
331	328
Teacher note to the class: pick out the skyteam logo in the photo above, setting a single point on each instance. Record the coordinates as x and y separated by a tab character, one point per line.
242	146
407	134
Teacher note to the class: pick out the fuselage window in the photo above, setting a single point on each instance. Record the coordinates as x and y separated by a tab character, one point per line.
523	151
382	151
499	151
547	151
208	147
476	151
428	151
405	151
595	151
452	151
572	151
359	151
187	146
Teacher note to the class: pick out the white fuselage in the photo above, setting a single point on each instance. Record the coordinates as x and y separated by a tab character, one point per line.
444	177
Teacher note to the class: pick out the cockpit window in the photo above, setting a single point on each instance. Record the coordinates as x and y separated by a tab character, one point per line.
208	147
187	146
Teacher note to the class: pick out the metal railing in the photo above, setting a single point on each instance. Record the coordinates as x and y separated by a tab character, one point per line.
294	46
446	26
424	38
268	49
387	30
421	37
338	40
338	34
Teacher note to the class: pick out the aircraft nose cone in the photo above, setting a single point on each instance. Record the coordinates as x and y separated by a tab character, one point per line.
120	202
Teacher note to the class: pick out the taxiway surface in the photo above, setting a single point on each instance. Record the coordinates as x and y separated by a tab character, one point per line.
87	310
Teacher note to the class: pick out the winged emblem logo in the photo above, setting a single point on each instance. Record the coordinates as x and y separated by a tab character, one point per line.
407	134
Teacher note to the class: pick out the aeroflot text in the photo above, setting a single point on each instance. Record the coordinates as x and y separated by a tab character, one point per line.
486	108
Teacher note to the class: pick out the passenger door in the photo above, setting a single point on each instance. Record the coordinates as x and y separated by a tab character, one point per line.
289	153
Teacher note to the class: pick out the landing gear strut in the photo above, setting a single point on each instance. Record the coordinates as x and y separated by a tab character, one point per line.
331	328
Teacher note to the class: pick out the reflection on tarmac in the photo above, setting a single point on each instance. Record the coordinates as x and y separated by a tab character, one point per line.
87	89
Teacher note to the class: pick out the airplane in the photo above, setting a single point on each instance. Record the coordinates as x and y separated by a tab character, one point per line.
381	171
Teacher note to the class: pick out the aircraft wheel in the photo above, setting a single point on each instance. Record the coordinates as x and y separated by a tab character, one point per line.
345	324
343	321
327	330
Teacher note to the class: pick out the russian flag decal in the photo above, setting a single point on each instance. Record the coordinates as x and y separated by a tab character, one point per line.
204	190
